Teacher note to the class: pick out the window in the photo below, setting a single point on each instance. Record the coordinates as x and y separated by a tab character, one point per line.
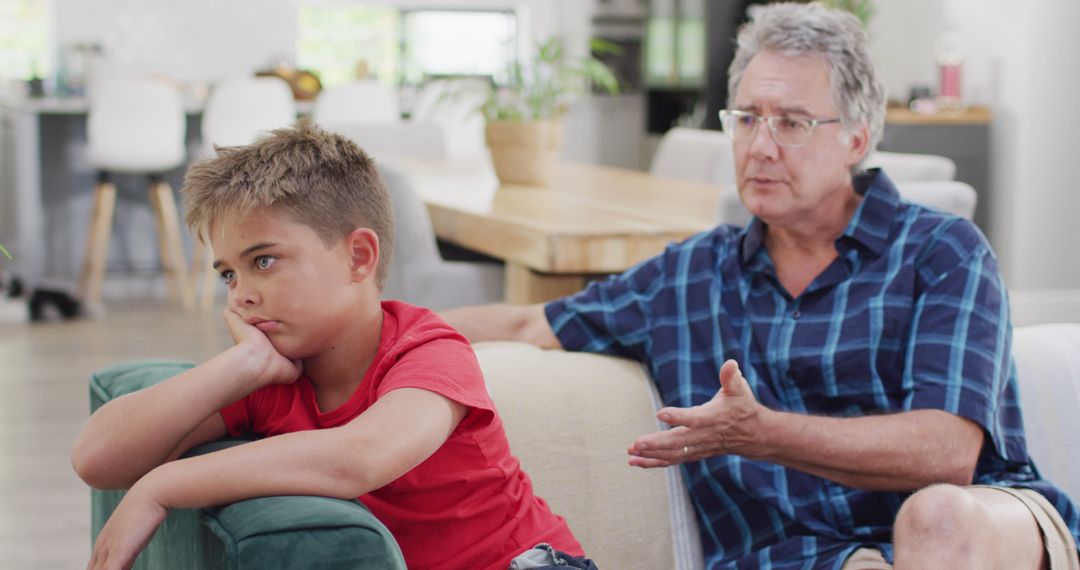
404	46
457	43
24	39
334	41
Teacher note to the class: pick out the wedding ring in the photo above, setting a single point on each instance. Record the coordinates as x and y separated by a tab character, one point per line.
685	450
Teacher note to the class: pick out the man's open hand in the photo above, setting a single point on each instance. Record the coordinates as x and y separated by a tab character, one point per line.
727	424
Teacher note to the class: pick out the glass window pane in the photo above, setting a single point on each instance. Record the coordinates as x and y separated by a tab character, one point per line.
692	51
24	39
660	51
457	43
337	41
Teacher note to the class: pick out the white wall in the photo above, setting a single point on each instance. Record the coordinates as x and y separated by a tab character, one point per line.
1046	230
1021	59
903	62
195	40
206	40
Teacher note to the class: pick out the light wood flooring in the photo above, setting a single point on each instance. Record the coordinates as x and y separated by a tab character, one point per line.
44	368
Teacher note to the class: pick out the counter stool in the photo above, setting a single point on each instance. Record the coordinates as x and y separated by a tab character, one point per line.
135	126
237	112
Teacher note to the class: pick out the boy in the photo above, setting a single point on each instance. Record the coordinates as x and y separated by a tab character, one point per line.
354	397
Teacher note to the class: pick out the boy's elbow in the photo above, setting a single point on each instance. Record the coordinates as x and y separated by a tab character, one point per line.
349	480
87	469
96	470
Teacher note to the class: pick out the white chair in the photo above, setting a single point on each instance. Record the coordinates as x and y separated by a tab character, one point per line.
705	156
906	167
238	112
394	140
366	101
135	126
951	196
698	155
418	274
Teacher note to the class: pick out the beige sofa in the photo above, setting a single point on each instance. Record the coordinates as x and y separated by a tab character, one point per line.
570	418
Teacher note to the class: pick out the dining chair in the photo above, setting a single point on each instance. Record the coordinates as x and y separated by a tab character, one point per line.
135	126
951	196
706	156
418	273
404	139
241	109
238	111
366	101
904	167
698	155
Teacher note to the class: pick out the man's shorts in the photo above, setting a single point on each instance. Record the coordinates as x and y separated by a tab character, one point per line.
1060	547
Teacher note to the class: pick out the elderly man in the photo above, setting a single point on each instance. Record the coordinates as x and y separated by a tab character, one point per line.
866	412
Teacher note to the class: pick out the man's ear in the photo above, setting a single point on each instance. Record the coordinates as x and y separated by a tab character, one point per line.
363	246
858	140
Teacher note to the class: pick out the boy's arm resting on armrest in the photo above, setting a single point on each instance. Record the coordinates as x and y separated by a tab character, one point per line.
129	436
398	432
522	323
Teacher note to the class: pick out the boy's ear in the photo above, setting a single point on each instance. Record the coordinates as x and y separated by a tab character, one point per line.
363	245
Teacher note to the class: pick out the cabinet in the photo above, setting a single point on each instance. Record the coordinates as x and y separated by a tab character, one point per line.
962	136
674	66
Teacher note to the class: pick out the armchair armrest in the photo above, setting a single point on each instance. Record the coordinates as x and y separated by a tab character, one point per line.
267	532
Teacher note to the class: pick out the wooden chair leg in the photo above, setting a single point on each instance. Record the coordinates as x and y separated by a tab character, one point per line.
97	242
163	249
196	267
210	280
172	255
203	275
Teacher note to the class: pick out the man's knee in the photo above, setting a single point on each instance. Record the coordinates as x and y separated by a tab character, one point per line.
939	513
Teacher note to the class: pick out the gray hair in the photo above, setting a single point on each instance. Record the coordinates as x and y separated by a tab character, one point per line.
794	29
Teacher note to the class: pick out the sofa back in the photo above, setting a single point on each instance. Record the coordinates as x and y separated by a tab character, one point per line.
570	418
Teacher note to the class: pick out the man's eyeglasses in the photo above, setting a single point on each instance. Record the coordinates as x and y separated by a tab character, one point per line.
786	131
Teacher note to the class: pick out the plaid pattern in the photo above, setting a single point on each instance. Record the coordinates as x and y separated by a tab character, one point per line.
912	315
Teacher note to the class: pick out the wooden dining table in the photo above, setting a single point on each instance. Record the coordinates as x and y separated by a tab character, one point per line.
588	221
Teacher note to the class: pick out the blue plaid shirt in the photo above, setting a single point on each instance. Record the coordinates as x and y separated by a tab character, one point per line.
912	315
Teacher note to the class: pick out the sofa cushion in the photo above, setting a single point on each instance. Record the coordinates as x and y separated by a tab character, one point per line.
1048	371
570	418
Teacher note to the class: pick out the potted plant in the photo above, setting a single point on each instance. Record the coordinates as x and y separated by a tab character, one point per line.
524	118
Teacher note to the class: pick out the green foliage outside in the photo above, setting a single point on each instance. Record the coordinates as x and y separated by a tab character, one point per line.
24	40
863	9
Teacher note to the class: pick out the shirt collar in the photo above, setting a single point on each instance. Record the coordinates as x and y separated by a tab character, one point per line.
870	226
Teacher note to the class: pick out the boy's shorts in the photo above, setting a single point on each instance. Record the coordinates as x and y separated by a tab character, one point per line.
1061	553
544	556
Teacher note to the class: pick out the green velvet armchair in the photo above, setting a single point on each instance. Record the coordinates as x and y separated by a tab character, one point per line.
263	533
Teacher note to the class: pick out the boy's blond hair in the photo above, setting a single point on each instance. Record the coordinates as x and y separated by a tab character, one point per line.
316	178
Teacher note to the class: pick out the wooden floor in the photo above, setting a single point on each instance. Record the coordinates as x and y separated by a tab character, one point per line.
44	507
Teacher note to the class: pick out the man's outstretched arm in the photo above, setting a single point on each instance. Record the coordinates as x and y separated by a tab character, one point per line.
521	323
890	452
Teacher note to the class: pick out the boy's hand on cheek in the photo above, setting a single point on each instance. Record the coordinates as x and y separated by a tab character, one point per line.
271	366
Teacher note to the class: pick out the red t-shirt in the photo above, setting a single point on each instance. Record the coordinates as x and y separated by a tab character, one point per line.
469	505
